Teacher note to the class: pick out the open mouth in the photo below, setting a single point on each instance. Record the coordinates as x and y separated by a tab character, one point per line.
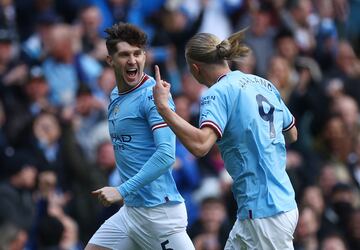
131	72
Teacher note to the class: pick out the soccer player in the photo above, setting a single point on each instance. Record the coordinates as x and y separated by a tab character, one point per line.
245	115
154	215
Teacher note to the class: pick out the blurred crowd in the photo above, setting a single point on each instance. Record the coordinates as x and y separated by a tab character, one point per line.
54	91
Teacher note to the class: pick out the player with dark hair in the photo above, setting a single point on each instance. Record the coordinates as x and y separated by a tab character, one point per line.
153	215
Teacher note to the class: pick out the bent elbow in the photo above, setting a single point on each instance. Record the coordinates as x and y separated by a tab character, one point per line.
200	151
199	154
171	160
166	156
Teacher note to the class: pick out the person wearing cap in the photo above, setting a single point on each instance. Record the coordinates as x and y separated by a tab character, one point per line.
34	49
37	90
12	69
18	177
32	100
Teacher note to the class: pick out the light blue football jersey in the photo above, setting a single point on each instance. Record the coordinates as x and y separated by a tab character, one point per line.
133	124
249	117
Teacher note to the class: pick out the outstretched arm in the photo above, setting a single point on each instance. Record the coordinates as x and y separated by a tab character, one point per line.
197	141
160	162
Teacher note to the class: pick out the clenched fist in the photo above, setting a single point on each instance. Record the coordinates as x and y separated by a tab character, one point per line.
108	195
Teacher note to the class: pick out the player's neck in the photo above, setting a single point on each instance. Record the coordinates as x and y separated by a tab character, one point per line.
124	87
215	74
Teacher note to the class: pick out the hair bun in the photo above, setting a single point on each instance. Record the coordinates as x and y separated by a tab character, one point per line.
223	49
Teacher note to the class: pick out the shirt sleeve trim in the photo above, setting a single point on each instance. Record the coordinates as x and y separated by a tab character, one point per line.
159	125
214	126
290	126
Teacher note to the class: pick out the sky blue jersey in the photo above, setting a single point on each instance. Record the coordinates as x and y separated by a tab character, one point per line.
144	147
249	117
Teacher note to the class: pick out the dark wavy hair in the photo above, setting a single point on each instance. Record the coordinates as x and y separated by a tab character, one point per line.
124	32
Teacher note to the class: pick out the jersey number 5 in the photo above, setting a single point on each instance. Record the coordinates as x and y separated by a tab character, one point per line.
269	116
163	245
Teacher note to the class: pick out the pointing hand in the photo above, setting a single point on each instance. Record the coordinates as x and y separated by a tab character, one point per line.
161	91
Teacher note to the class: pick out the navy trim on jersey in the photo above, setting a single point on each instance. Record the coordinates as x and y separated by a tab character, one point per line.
143	79
212	125
220	77
250	214
290	126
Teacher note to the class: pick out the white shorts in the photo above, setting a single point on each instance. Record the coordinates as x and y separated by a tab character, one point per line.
275	232
133	228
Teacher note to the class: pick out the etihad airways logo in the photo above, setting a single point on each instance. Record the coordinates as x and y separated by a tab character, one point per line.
120	141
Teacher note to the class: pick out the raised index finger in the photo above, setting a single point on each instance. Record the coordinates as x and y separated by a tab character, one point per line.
96	192
157	74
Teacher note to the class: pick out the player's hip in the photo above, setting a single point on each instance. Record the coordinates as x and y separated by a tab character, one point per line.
274	232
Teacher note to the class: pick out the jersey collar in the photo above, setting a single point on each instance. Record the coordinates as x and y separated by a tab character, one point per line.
143	79
220	77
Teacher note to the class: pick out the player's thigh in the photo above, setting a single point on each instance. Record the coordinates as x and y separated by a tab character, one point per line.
267	233
111	241
278	230
235	244
157	227
177	241
113	234
95	247
171	228
239	238
127	244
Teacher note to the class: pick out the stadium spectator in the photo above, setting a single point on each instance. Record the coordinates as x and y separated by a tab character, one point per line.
305	236
12	237
279	74
333	242
260	37
212	227
18	172
92	41
353	229
31	100
36	47
88	113
186	170
67	65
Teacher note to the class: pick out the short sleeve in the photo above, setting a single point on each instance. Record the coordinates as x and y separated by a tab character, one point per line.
154	118
213	111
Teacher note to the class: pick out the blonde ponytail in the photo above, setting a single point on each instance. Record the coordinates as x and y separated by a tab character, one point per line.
207	48
237	48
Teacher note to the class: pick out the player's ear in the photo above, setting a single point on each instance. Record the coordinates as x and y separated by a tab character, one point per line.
109	60
196	68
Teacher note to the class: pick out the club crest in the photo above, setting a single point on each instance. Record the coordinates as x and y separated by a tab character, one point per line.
116	109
